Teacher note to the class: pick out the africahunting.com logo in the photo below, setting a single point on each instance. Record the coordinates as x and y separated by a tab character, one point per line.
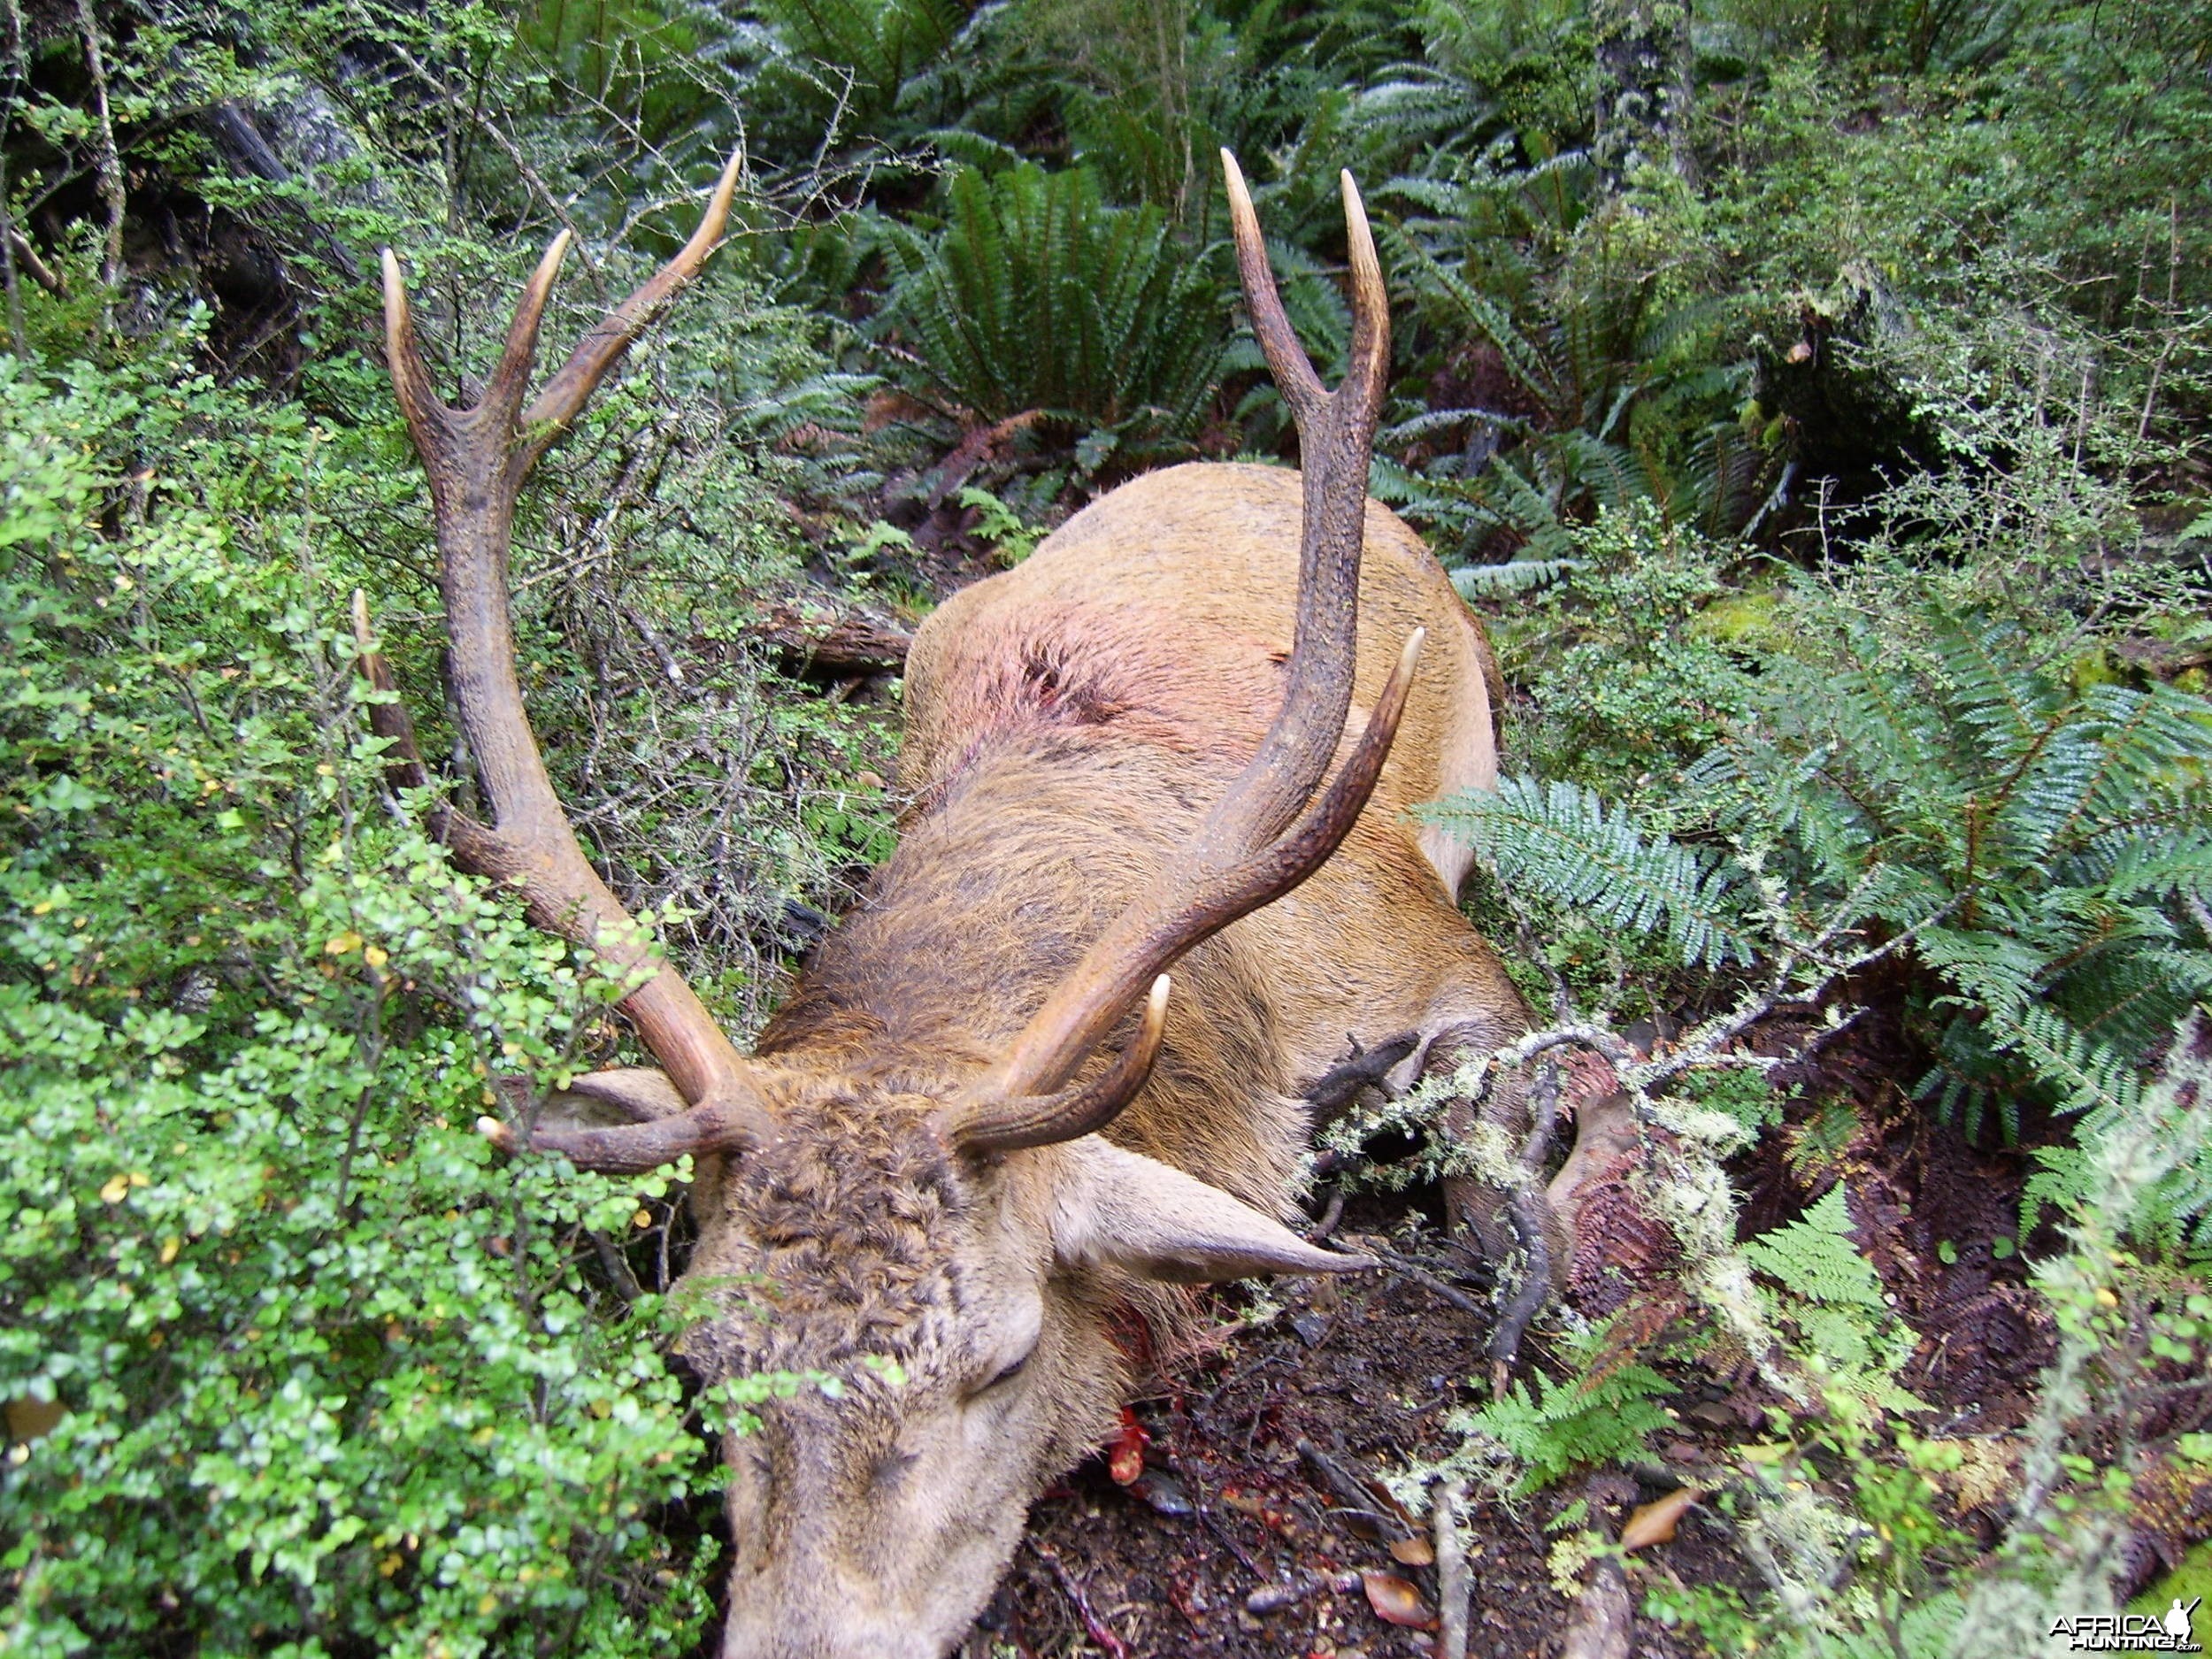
2131	1633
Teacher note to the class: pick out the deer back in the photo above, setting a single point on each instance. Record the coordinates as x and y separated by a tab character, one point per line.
1165	609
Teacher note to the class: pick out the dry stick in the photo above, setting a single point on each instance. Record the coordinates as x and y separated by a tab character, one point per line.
1528	1212
1273	1598
8	258
1422	1277
1455	1585
1095	1627
1330	1214
2173	329
1348	1487
109	166
1353	1491
1205	1513
528	174
1637	1076
1598	1625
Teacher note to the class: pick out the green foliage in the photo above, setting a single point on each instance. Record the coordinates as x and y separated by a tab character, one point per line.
327	1374
2041	839
1037	296
1830	1301
1740	1093
1716	1612
1839	497
1629	674
1899	767
1595	372
1552	1427
842	67
1846	1523
1000	525
656	65
1559	842
1814	1257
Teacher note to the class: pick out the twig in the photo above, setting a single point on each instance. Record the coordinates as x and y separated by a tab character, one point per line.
1253	1370
1428	1280
1330	1214
612	1262
1528	1211
1598	1627
1363	1068
1455	1587
1352	1492
2173	331
1205	1513
1273	1598
110	167
1096	1628
528	174
28	254
669	665
1339	1479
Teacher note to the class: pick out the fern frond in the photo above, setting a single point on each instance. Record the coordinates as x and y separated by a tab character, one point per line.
1515	576
2088	1076
1037	296
1815	1257
2013	712
1560	841
1469	308
2131	997
1989	968
2059	1183
2176	865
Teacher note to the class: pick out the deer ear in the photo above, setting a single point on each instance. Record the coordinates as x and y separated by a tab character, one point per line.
1120	1208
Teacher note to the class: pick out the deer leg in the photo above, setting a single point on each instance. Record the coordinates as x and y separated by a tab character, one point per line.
1505	1126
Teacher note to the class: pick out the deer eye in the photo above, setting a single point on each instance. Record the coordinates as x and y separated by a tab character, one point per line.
1007	1373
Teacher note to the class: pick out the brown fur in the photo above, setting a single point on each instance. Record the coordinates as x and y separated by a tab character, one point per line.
1069	723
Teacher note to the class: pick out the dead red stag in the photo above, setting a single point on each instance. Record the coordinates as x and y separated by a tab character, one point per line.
985	1128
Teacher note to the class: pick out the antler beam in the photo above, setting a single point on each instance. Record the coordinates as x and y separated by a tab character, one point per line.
477	459
1271	830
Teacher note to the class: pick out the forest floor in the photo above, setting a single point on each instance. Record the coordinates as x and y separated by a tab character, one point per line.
1370	1370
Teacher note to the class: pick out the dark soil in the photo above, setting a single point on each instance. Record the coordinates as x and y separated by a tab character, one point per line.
1370	1370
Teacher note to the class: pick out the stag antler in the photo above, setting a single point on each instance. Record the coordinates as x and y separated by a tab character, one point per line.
477	459
1271	830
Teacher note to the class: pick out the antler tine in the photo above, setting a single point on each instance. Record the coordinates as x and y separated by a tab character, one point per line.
511	378
630	1148
1286	359
1270	831
1209	906
1335	437
477	459
991	1121
565	394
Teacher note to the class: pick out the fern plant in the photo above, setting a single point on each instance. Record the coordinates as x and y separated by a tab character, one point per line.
847	66
1901	773
1036	295
1828	1294
2046	841
1581	376
1598	1414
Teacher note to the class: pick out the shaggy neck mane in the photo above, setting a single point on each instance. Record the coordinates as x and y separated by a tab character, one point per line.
1007	872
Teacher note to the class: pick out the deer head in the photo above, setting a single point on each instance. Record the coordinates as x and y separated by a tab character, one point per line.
933	1221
